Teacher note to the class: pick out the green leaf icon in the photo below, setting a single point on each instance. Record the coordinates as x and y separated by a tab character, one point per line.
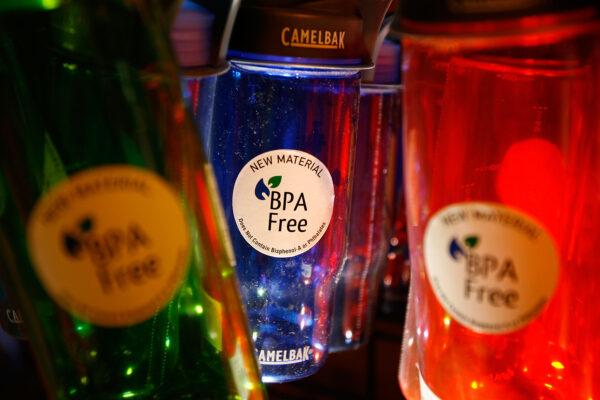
274	181
86	224
471	241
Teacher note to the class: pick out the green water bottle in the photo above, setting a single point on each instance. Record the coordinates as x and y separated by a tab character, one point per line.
110	234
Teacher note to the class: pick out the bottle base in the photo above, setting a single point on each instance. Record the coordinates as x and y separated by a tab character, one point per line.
288	373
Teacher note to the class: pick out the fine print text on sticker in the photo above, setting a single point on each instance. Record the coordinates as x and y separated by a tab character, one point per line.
492	268
98	244
283	202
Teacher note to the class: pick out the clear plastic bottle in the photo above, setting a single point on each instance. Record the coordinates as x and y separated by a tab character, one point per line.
356	293
308	116
501	150
282	142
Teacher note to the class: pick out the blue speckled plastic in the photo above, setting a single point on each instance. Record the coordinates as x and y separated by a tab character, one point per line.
258	109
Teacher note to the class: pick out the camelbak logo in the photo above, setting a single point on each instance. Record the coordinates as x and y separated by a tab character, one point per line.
313	38
13	316
282	357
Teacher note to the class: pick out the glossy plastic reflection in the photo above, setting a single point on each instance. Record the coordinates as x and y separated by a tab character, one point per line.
395	282
89	85
356	292
288	300
511	120
200	94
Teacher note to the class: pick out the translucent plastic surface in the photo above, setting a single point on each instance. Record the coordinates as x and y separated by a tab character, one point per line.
258	109
511	120
367	242
90	87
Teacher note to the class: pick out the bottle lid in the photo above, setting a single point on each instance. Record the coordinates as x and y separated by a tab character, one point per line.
479	10
191	35
313	32
387	67
200	34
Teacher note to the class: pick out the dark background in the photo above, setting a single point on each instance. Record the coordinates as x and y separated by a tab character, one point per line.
369	373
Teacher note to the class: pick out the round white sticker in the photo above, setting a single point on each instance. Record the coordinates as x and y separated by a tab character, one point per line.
283	202
492	268
110	244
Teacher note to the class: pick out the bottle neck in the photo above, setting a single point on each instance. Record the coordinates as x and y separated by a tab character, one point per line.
499	27
293	70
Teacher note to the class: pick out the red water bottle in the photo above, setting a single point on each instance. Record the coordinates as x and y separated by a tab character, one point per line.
501	165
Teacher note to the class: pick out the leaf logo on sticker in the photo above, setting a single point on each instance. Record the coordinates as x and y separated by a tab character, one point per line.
456	250
262	191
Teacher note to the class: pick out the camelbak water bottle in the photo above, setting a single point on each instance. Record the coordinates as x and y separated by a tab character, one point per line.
378	128
282	146
501	158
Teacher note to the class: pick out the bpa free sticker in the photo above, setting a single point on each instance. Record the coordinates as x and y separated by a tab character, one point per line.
492	268
283	202
110	244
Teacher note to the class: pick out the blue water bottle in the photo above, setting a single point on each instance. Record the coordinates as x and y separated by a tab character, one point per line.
282	145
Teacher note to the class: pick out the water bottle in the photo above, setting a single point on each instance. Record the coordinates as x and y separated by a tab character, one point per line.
111	233
501	164
378	127
282	144
11	320
200	35
394	285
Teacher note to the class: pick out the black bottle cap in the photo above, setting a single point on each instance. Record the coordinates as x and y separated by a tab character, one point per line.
200	34
480	10
314	32
370	76
387	68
